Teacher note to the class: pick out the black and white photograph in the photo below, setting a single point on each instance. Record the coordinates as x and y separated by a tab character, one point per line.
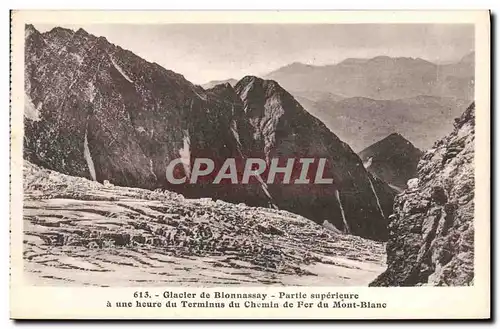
392	115
227	155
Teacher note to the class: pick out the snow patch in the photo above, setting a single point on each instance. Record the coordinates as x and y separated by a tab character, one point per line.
235	131
245	90
122	72
395	188
412	183
140	129
185	153
90	91
346	226
88	157
236	135
30	111
263	185
376	197
151	168
368	163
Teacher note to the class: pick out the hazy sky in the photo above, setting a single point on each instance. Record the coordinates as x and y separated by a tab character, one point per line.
216	51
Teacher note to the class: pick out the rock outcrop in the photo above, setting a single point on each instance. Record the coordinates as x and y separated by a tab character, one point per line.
98	111
393	159
431	233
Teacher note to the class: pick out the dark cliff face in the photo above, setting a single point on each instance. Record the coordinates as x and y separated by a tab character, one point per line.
282	129
431	234
393	159
133	116
98	111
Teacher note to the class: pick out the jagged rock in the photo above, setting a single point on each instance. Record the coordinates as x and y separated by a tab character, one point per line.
412	184
432	230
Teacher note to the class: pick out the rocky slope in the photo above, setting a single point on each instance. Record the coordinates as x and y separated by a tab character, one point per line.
82	232
431	234
282	129
98	111
394	159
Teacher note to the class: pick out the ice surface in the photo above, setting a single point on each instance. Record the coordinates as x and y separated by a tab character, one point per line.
80	232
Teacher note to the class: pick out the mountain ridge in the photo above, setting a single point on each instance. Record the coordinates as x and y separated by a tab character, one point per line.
384	77
107	114
213	83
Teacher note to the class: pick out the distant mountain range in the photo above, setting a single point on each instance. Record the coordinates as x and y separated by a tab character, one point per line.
363	121
364	100
381	77
214	83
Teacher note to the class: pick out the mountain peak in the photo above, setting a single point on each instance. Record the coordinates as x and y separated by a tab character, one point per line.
266	84
60	31
214	83
82	32
396	136
29	29
393	159
257	88
396	139
250	78
224	91
224	85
